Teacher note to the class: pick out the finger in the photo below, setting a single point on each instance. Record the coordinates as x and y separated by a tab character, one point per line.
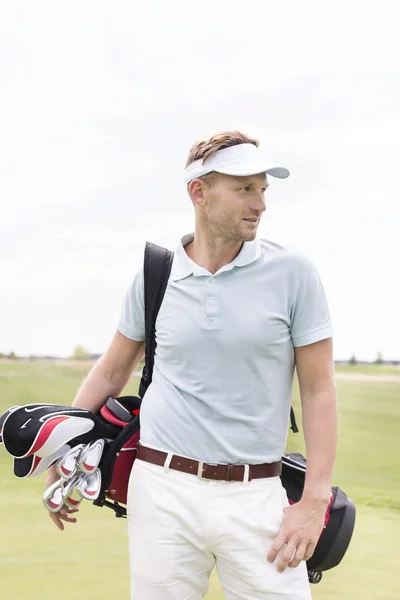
309	551
55	517
276	547
68	511
65	514
68	519
299	556
287	556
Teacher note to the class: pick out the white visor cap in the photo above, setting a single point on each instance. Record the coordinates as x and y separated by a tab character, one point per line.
239	160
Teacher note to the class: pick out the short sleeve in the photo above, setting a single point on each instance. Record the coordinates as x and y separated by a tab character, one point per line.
310	320
131	320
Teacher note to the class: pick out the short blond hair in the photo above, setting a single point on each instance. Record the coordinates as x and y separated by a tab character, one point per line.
205	149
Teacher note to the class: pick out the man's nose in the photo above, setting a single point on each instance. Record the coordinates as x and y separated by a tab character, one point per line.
258	202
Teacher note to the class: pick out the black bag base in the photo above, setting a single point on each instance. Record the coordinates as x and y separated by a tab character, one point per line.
314	576
119	510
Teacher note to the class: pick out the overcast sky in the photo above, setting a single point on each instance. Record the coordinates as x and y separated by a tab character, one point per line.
100	102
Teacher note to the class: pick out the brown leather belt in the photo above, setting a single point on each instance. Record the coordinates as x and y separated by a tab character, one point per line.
208	470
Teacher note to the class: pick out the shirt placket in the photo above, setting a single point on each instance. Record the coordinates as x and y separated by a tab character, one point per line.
213	304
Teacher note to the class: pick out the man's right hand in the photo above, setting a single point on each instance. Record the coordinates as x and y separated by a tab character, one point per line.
65	513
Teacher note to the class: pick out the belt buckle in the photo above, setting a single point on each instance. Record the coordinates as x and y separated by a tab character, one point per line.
200	468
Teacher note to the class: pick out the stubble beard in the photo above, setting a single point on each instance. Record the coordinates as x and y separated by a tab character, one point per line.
231	231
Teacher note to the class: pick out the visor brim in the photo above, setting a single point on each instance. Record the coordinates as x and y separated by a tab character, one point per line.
253	168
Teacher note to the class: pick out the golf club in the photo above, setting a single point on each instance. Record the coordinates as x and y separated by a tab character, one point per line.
73	500
67	465
90	457
89	486
53	496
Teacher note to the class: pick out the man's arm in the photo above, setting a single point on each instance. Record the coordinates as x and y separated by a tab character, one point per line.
302	522
110	374
315	372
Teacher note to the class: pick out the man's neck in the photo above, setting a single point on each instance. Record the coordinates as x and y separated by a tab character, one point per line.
212	253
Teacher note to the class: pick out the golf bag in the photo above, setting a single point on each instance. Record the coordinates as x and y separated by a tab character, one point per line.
119	455
339	518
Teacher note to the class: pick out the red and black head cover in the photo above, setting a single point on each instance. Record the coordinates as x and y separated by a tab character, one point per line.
42	429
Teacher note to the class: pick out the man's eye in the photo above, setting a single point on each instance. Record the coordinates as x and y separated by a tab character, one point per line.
246	188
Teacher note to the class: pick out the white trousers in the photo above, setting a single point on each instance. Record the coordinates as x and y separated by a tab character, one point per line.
180	526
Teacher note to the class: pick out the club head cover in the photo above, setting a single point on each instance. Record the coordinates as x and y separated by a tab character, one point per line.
33	466
42	429
67	464
90	457
3	419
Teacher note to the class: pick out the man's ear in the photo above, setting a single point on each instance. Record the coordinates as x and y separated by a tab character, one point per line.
196	190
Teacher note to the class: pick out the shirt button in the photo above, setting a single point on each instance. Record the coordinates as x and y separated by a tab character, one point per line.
212	302
213	280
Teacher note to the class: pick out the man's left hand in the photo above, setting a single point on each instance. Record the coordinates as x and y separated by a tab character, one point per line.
300	530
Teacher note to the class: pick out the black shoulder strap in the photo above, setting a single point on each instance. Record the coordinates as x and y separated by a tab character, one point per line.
293	424
156	270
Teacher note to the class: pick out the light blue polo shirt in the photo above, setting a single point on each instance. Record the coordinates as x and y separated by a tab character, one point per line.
224	363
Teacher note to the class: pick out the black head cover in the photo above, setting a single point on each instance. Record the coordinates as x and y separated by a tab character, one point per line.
33	465
42	429
3	418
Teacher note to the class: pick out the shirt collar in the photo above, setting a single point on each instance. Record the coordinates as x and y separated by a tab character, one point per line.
183	266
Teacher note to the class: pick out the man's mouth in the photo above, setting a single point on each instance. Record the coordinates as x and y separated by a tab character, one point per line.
252	220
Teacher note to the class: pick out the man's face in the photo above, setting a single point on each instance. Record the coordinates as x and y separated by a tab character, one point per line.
233	206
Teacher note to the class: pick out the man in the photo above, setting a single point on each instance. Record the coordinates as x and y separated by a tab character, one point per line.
238	315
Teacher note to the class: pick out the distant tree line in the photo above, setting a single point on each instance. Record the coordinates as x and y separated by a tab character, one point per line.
81	353
10	356
378	360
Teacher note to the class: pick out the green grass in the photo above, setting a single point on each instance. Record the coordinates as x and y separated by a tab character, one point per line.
369	369
367	463
89	560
